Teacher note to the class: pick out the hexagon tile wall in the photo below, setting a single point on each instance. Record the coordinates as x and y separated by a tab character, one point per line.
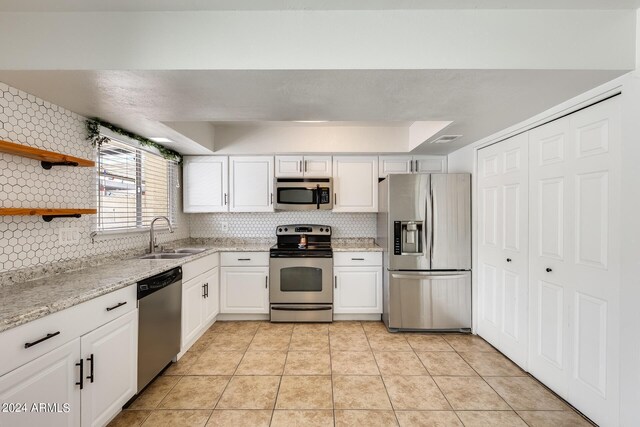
28	241
244	225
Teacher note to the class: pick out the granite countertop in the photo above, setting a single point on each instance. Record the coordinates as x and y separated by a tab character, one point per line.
355	245
29	300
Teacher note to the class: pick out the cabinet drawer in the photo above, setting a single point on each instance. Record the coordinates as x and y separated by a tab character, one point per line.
241	259
66	325
199	266
355	259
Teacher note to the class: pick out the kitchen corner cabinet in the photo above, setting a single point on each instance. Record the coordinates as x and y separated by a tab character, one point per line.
96	374
200	298
411	164
357	283
244	282
303	166
251	183
355	184
206	187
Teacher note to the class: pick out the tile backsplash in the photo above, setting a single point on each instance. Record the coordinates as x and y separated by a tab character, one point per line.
28	241
264	224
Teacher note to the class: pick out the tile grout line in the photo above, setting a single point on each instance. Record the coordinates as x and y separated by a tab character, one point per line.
393	409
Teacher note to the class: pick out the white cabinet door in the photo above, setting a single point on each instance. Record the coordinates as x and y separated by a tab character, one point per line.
430	164
394	164
211	302
289	166
355	183
244	290
205	184
110	355
503	247
317	166
49	379
192	314
357	290
251	184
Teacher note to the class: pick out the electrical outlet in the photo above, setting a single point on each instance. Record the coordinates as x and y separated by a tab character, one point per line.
68	236
224	226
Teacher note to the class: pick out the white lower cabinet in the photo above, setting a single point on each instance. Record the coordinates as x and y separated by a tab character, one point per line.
110	357
357	283
244	290
83	382
48	379
357	290
200	305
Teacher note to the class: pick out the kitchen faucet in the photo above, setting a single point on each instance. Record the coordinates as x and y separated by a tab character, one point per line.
152	237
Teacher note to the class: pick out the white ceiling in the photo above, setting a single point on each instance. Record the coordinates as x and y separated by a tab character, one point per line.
189	5
480	102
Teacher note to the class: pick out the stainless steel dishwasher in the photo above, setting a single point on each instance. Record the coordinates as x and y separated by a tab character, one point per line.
159	323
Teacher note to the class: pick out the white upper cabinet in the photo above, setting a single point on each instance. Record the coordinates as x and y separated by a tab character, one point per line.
303	166
289	166
411	164
430	164
205	184
355	183
251	184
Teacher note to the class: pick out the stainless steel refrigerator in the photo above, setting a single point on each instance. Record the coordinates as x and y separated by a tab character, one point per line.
424	226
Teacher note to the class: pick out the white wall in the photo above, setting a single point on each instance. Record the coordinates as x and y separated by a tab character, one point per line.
462	160
263	139
320	40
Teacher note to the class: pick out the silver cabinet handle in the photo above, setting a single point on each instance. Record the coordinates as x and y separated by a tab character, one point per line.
266	282
335	198
225	199
410	165
429	276
271	199
244	259
335	282
305	165
416	167
300	166
357	259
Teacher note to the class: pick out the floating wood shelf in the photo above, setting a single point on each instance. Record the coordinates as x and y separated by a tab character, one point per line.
48	214
47	158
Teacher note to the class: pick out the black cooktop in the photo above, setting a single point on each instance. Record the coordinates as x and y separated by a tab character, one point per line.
292	239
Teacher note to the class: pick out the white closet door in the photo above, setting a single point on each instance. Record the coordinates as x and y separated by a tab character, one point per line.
551	218
594	305
503	253
574	268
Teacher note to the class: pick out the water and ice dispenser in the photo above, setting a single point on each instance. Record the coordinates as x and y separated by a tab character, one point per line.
407	238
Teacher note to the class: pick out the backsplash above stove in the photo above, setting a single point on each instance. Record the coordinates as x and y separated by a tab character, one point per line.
264	224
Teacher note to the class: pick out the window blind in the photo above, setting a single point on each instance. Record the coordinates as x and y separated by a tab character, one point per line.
134	186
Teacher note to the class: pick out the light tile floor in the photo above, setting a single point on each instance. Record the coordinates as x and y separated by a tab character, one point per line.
343	374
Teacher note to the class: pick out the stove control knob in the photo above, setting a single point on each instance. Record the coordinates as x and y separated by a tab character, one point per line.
327	229
321	229
286	229
279	229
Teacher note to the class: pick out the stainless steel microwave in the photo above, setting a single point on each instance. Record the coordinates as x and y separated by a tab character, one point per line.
303	194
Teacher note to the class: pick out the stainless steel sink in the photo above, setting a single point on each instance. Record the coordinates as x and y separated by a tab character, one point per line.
163	255
189	250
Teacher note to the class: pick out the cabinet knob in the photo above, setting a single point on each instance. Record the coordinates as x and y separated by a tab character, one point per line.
548	270
508	259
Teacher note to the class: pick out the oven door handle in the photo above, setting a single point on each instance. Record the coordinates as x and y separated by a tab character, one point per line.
317	195
301	307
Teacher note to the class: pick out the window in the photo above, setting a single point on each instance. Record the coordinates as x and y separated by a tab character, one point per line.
134	186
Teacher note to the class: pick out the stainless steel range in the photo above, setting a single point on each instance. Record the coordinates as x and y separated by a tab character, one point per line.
301	271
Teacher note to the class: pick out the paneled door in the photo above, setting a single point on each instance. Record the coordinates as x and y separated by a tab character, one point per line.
205	184
503	246
574	255
251	183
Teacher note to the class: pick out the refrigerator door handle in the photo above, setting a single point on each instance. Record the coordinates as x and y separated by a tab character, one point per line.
431	276
428	225
433	223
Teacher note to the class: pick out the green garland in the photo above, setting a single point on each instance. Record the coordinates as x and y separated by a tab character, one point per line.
93	135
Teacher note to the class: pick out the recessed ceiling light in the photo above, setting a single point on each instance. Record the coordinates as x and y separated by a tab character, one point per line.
160	139
445	139
311	121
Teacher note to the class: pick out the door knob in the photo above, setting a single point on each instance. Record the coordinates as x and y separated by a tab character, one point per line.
548	270
508	259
